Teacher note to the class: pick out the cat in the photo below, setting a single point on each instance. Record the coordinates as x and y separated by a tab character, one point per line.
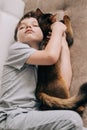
47	19
51	89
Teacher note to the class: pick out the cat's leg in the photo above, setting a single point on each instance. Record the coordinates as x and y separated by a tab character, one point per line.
69	31
65	63
76	102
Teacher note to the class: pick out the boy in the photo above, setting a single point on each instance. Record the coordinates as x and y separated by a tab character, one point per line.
18	104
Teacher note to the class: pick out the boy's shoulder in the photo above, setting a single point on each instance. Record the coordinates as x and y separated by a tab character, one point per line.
19	44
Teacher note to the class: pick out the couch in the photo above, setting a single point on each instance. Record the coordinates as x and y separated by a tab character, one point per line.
10	13
76	9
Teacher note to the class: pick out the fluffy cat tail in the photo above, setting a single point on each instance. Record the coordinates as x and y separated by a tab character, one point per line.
75	103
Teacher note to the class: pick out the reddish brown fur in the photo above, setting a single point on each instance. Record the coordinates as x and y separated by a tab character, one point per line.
52	90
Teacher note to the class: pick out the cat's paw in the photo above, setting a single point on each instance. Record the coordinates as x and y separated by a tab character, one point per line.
66	19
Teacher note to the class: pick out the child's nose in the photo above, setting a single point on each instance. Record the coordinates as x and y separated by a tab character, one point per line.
28	26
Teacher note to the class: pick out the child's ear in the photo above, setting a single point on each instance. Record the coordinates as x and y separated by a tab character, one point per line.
53	18
38	12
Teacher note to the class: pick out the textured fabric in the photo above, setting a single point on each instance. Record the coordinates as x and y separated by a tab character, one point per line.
42	120
18	79
18	54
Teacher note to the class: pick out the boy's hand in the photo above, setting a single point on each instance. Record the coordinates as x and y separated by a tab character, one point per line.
58	27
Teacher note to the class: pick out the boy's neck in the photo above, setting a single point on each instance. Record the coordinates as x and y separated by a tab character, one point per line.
34	45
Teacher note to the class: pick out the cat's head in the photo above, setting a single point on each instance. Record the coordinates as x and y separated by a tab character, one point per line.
45	20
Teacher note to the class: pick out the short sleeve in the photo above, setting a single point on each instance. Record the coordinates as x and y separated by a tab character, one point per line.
18	54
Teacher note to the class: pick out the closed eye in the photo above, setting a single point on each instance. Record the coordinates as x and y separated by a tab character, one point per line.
35	25
22	27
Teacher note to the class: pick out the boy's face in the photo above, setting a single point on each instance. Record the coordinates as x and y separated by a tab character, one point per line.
29	31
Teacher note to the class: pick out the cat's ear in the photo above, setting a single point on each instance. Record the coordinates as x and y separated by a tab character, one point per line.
53	18
38	12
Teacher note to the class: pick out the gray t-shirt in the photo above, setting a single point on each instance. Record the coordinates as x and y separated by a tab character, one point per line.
19	79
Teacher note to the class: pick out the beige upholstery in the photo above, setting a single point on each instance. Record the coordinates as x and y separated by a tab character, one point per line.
77	10
10	13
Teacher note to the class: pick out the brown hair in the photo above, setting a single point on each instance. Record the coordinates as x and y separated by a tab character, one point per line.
27	15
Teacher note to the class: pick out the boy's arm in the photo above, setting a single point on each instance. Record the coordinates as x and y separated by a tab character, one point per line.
51	53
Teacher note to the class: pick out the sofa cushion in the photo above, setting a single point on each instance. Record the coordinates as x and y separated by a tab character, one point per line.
10	13
14	7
